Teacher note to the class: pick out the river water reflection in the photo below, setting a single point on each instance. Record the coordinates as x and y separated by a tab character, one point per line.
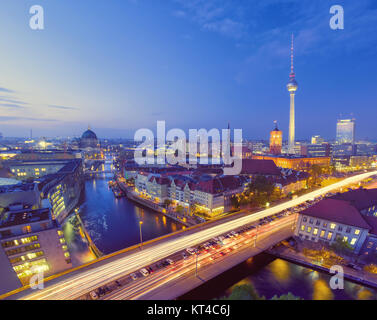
113	224
272	277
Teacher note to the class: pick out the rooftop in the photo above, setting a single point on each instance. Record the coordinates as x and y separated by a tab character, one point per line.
337	211
14	218
263	167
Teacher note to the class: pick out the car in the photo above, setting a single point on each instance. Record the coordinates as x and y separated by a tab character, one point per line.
190	250
169	261
150	269
133	276
144	272
206	246
93	295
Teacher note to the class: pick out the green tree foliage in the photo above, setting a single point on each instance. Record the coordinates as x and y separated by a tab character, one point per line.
243	292
235	202
288	296
315	172
262	190
341	246
248	292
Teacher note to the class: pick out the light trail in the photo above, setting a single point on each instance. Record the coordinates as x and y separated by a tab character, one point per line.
156	280
80	284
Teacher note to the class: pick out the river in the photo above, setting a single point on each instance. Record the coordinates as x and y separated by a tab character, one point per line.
271	277
113	224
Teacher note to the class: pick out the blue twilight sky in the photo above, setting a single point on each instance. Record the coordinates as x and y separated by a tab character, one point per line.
121	65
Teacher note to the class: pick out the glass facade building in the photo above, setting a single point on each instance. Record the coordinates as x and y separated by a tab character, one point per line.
345	131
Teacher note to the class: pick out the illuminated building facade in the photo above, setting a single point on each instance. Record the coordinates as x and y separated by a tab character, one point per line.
345	131
295	162
350	216
276	140
209	195
317	140
316	150
33	243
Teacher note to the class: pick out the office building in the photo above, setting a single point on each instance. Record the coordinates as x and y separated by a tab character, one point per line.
345	131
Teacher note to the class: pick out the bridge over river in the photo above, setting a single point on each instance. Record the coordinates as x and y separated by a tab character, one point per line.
181	276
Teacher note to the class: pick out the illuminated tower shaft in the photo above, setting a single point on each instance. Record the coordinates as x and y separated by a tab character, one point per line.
291	142
292	87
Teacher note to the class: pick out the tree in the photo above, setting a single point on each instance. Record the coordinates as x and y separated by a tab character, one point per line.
261	185
288	296
243	292
262	190
341	246
167	203
315	173
235	202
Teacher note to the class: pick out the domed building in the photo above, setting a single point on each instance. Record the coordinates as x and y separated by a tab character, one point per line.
89	140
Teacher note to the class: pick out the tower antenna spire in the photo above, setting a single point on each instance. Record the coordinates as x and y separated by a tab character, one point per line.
292	57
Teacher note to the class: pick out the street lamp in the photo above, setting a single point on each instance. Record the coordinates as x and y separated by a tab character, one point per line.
196	263
141	235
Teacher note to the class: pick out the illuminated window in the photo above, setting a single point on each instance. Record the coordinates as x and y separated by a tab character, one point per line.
302	228
345	239
323	232
357	231
26	229
353	241
309	229
329	236
315	232
332	226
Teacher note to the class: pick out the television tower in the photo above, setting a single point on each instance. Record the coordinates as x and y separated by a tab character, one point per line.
292	87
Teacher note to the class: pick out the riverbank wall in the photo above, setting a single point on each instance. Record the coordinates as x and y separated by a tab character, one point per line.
130	194
357	276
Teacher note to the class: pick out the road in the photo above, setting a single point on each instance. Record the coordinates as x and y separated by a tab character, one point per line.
80	284
175	280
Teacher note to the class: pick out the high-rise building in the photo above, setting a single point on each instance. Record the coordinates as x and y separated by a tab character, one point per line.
345	131
317	140
276	140
292	87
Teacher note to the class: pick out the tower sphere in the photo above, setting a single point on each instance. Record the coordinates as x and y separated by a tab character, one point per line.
292	85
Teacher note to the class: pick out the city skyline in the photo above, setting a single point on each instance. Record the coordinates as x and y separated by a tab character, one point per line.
54	82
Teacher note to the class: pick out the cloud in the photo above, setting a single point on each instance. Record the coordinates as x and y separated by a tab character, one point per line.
6	90
16	118
226	27
213	15
11	100
157	114
11	105
179	13
62	107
